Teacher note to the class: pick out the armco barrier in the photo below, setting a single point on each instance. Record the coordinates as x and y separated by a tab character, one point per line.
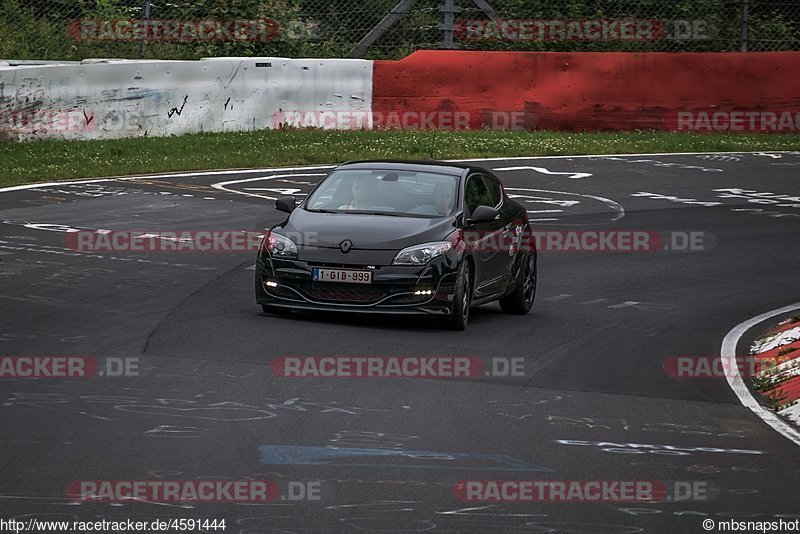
593	91
104	100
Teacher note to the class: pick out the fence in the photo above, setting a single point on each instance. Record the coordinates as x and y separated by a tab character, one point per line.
59	30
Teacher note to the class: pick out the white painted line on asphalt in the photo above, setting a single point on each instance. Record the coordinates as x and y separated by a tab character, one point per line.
52	184
572	175
615	206
517	158
155	176
735	381
276	169
216	173
221	185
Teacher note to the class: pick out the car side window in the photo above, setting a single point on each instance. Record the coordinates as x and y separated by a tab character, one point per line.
476	194
496	190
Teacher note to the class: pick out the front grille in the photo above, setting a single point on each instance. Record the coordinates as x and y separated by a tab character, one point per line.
337	292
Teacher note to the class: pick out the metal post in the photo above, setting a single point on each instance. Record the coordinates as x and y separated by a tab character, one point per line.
744	29
393	16
449	9
489	11
145	16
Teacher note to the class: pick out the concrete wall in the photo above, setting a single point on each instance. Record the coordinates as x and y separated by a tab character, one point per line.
586	91
429	89
156	98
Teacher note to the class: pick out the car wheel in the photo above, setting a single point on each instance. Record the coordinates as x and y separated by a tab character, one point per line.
520	301
462	300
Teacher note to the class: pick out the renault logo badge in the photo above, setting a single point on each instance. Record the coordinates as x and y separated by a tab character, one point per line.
346	246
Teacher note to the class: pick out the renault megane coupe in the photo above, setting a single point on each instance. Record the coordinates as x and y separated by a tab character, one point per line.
401	237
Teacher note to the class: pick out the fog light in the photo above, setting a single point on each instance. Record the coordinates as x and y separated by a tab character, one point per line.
423	292
270	283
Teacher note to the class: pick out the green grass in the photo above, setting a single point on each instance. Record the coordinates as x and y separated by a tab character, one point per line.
65	160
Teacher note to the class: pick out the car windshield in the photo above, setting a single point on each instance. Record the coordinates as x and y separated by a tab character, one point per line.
386	192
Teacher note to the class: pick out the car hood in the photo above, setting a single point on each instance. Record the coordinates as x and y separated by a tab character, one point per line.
367	232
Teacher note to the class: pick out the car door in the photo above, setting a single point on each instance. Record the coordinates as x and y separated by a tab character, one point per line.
485	238
507	238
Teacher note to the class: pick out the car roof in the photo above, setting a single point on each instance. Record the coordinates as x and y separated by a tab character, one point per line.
430	165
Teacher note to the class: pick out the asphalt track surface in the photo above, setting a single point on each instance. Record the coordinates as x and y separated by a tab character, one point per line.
595	402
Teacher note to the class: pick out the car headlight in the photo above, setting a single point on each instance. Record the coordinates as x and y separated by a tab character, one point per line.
421	254
279	246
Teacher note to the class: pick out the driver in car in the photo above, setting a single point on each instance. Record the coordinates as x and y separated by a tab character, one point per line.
363	188
443	197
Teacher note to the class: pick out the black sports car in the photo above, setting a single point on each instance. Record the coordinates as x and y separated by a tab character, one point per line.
401	237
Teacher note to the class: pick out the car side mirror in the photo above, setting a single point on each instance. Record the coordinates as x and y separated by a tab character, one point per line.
483	214
286	204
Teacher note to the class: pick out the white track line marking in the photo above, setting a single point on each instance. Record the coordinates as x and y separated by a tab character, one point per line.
607	201
155	176
275	169
52	184
517	158
221	185
570	174
735	381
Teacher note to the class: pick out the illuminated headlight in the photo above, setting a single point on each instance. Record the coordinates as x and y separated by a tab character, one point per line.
279	246
421	254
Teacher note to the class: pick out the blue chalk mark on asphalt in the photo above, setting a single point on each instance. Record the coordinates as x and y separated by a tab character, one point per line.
349	457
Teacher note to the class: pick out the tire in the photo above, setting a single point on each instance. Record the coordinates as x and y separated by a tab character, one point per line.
462	300
520	301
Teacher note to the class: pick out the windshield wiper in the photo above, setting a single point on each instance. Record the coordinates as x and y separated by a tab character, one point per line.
323	211
387	213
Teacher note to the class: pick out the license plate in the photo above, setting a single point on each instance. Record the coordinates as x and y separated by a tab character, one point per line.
347	276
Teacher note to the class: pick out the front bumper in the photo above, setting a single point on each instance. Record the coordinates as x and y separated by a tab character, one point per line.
394	289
